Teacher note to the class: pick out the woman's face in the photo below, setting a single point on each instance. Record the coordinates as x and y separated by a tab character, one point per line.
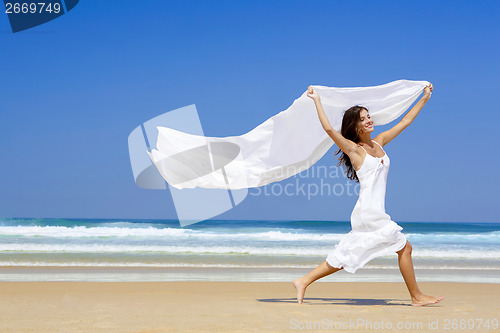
366	122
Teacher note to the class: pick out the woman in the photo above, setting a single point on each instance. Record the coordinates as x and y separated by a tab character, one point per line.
373	232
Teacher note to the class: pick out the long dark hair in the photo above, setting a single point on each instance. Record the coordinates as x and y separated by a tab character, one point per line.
349	131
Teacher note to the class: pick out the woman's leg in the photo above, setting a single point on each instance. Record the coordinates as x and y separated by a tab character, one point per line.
301	284
406	268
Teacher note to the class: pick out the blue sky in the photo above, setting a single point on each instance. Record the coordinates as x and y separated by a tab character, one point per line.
74	88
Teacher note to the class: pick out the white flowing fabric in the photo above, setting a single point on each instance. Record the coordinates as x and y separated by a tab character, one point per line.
282	146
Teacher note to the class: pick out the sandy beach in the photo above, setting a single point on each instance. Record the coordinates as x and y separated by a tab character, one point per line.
243	307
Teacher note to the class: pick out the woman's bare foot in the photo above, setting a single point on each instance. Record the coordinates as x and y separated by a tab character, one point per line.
300	286
425	300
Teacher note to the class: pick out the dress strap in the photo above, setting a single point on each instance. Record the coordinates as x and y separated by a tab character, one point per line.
363	149
378	144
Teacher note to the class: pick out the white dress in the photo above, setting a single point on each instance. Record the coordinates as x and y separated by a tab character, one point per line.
373	232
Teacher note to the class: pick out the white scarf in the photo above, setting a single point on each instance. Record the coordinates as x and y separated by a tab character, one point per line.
282	146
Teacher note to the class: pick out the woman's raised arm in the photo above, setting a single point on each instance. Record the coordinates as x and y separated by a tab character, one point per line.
346	145
387	136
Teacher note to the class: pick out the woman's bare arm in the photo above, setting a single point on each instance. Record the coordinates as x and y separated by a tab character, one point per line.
387	136
346	145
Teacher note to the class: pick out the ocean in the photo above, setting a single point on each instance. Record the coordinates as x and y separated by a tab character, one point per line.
222	250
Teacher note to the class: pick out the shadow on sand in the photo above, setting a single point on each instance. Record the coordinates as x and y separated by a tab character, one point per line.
340	301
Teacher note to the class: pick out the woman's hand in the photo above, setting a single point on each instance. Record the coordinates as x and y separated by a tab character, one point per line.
428	91
312	93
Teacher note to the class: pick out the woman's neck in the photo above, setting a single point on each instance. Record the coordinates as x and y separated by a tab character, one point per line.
365	139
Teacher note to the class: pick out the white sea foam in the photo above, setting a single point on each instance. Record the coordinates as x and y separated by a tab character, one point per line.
183	234
86	232
234	250
200	265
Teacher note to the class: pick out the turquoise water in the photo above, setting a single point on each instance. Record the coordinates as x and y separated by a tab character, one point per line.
236	245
